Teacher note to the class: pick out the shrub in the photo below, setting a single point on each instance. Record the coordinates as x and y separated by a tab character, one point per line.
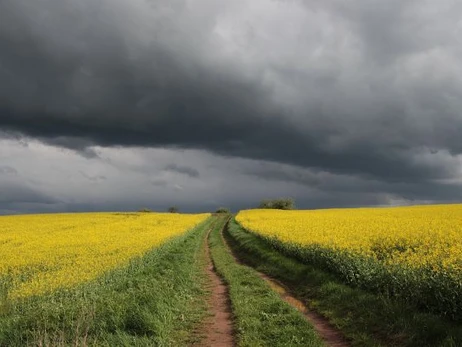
173	209
278	204
223	210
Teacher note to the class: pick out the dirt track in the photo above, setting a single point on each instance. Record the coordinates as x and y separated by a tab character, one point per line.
329	334
218	329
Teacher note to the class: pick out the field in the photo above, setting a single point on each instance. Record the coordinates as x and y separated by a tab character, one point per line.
41	253
340	277
410	252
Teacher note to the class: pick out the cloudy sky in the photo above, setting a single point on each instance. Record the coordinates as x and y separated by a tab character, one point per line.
119	105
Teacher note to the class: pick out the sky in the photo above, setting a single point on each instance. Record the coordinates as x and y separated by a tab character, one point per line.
112	105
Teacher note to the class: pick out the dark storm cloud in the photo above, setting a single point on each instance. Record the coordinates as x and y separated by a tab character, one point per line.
185	170
345	190
368	88
16	193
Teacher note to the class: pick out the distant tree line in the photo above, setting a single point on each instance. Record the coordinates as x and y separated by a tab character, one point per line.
278	204
171	209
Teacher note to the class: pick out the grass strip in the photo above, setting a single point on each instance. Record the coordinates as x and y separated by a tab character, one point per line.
367	319
261	317
156	300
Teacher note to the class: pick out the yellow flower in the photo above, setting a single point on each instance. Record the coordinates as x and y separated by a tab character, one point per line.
417	236
40	253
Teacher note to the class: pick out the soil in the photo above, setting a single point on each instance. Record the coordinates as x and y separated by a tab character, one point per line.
329	334
218	328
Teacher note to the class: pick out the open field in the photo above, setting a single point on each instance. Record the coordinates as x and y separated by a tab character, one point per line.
414	253
41	253
365	318
152	299
359	277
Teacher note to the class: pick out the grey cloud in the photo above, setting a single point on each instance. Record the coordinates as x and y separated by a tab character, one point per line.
178	187
392	29
351	94
185	170
93	178
8	170
15	193
78	144
330	187
159	183
232	182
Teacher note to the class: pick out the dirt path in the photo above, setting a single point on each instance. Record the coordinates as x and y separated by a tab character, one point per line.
218	329
329	334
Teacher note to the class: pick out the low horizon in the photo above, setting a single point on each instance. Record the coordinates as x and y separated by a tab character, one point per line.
232	211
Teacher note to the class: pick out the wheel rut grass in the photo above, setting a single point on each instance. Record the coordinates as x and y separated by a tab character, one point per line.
331	336
261	318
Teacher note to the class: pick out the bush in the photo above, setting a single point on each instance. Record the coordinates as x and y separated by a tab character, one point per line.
223	210
173	209
278	204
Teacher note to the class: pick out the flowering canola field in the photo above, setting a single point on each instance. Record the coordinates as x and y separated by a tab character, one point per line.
40	253
413	252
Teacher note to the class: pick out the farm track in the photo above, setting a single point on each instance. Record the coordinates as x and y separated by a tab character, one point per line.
218	328
330	335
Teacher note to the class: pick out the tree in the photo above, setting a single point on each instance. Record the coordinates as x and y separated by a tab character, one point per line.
223	210
173	209
278	204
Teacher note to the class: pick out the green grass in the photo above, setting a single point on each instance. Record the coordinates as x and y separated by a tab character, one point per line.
156	300
261	318
367	319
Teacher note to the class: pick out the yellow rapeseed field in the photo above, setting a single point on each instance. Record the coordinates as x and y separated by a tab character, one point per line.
40	253
416	236
414	253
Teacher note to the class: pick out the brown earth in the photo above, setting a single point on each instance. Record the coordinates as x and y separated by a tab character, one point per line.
329	334
218	328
